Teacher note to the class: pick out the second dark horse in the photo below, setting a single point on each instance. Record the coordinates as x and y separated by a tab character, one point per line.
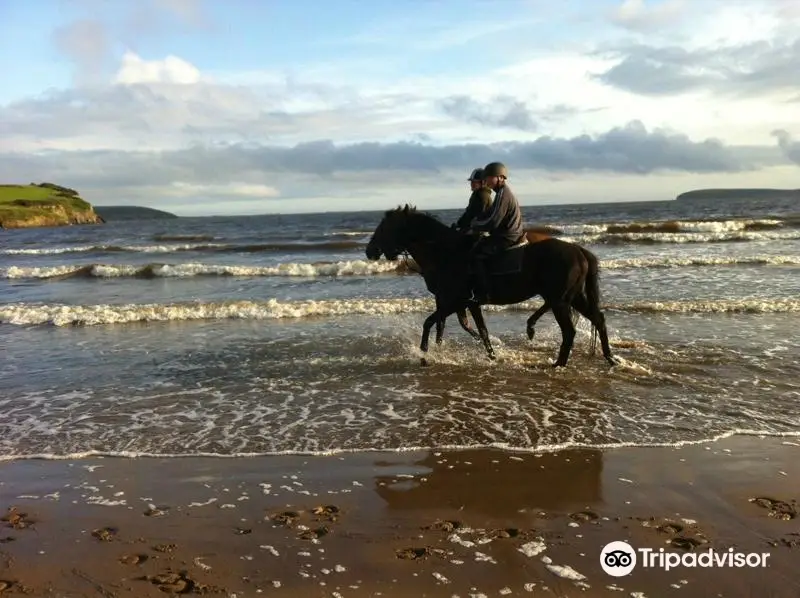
563	274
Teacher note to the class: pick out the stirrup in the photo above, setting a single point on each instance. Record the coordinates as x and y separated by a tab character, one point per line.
483	298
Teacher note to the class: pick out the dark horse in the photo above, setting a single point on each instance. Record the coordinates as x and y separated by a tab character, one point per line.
563	274
427	270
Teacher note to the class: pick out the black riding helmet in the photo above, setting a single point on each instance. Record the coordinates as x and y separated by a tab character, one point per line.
476	175
495	169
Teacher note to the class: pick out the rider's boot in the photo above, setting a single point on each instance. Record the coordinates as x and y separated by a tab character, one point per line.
480	284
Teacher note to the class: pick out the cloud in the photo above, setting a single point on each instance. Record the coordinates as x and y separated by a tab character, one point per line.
169	103
169	70
190	190
157	109
630	149
790	147
90	43
165	130
190	12
788	10
322	175
87	44
642	16
502	111
754	69
436	30
611	104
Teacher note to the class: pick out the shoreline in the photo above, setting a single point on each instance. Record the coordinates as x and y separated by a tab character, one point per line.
790	438
395	524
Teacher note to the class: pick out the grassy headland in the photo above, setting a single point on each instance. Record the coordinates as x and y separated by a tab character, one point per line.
43	204
738	194
114	213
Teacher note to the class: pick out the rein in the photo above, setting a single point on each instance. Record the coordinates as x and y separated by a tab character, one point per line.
406	257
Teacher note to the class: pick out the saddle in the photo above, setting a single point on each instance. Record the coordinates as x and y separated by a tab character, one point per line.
508	260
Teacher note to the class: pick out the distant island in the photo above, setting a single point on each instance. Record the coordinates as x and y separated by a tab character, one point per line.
48	204
738	194
43	204
114	213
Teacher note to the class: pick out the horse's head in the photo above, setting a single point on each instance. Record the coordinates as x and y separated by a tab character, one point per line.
374	250
393	234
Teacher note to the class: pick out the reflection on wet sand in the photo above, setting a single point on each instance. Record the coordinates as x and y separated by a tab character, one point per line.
502	484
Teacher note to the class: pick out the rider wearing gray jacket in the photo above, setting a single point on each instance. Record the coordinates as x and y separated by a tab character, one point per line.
503	223
504	220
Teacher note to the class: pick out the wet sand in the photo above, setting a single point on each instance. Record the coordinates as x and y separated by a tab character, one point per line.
445	523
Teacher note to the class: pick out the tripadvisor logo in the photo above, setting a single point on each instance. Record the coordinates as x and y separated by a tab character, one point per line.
620	558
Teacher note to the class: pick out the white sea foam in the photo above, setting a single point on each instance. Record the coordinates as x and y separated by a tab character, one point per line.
87	315
540	449
687	237
715	226
102	248
565	572
671	226
348	267
723	260
47	250
185	270
533	547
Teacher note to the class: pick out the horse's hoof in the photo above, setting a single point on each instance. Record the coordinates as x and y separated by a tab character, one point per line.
530	334
423	362
492	357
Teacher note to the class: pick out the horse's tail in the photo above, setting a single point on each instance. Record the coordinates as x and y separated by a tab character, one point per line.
592	291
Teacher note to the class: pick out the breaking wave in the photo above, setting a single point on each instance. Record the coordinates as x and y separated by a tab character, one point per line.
344	268
681	226
23	314
167	237
340	268
173	248
673	231
652	238
697	261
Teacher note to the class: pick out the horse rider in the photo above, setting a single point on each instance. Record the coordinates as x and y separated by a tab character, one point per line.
477	206
502	222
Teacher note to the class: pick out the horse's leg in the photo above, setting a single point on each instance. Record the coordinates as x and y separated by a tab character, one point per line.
598	320
535	318
462	319
436	316
439	326
592	290
477	315
561	311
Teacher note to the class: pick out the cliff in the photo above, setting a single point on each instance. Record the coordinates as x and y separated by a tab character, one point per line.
43	204
738	194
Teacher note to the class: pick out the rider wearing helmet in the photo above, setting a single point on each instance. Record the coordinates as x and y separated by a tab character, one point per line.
476	206
503	223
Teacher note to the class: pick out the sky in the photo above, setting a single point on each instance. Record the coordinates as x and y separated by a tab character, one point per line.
212	107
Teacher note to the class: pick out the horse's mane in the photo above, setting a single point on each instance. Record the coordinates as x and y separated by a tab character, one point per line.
411	211
419	226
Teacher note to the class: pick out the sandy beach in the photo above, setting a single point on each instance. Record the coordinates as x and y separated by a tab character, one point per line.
463	523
